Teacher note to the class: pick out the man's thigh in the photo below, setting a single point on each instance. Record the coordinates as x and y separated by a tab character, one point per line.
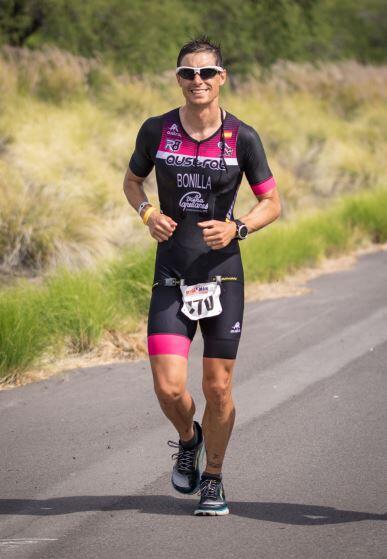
169	374
170	332
221	334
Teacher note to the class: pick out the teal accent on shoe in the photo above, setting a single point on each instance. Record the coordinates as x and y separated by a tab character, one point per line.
189	464
212	499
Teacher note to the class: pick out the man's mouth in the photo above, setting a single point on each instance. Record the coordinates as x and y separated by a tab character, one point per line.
198	90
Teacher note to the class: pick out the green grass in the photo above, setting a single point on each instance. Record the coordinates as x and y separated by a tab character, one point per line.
70	311
23	334
285	247
78	308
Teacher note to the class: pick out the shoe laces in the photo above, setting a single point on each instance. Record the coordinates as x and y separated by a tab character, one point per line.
208	488
185	457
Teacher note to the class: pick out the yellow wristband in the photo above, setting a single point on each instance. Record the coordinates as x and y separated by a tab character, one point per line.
147	214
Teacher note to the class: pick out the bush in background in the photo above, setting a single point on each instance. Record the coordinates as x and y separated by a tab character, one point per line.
144	37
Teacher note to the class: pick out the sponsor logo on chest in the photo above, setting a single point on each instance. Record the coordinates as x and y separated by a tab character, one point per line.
172	145
193	201
227	150
173	130
190	161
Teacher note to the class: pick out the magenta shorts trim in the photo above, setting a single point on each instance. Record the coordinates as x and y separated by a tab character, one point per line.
168	344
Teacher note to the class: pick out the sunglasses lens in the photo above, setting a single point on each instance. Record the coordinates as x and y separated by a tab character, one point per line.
186	74
207	73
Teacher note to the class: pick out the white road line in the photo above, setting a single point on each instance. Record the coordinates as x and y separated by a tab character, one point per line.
24	541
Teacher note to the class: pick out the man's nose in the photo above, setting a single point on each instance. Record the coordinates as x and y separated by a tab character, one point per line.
197	78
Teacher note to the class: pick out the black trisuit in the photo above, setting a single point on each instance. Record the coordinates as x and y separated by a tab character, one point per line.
198	181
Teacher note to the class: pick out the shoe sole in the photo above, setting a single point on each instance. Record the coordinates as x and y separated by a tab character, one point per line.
220	512
184	491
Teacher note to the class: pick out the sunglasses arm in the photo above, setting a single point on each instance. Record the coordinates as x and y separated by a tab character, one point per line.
197	70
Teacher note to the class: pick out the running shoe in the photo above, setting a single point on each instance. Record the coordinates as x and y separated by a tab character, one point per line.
188	467
212	498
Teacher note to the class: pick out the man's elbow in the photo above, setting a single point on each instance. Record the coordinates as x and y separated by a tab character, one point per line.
126	182
276	204
278	209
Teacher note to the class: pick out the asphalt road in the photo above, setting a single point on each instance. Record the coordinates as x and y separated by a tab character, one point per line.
85	467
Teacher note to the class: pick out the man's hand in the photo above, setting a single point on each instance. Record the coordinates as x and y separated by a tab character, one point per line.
161	226
218	234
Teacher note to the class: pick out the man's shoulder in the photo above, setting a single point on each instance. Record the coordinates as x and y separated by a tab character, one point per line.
245	131
159	119
154	124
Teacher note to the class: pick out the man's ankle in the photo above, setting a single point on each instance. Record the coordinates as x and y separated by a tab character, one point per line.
210	475
193	441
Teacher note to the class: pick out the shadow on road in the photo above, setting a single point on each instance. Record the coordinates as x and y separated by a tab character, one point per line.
285	513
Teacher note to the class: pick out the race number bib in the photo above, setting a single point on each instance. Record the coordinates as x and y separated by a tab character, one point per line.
201	300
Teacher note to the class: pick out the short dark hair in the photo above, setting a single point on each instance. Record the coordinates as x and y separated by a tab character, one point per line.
201	44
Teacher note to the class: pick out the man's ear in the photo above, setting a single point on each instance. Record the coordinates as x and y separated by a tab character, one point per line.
223	77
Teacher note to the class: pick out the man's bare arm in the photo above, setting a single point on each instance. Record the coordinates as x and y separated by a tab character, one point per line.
218	234
134	189
267	210
160	226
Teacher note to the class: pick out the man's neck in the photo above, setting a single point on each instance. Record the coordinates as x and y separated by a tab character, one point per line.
200	118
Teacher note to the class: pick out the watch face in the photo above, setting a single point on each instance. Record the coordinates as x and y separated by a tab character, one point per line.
242	231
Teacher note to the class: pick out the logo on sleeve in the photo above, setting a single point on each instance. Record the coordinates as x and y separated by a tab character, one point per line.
236	328
172	145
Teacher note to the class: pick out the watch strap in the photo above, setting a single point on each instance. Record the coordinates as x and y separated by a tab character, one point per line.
142	206
239	224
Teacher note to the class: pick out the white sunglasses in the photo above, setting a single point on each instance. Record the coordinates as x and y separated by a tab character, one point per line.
206	72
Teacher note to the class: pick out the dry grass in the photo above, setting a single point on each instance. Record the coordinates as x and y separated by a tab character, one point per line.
68	126
114	347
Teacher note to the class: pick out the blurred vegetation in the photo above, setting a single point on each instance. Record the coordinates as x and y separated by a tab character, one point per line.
144	36
68	126
283	248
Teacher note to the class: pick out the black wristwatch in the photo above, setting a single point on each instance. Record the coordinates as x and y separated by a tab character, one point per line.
241	230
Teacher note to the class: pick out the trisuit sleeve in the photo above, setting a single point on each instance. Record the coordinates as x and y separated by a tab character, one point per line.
141	163
254	162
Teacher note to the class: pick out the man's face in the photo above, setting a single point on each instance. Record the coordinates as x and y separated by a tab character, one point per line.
198	91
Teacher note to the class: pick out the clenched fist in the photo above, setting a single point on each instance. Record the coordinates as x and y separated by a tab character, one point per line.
161	226
218	234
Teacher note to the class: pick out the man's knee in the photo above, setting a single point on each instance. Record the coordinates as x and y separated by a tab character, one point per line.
168	393
169	377
217	393
217	381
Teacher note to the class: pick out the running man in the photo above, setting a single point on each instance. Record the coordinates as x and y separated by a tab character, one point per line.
200	152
